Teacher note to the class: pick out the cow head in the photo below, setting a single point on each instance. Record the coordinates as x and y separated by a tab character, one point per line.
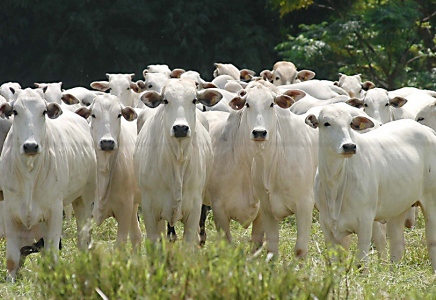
179	98
335	124
52	91
120	85
377	104
258	102
285	72
353	85
30	111
427	116
106	112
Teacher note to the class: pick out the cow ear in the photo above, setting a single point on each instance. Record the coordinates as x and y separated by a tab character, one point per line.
135	87
54	110
100	85
209	85
246	74
6	110
267	75
360	123
129	113
152	99
209	97
284	101
70	99
367	85
176	73
312	121
397	102
84	112
295	94
355	102
336	83
305	75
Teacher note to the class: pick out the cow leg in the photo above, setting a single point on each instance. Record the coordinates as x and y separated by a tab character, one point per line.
395	233
190	222
222	221
123	218
52	235
257	233
271	227
304	223
135	231
429	212
204	211
68	212
410	217
379	237
153	225
171	233
83	215
364	236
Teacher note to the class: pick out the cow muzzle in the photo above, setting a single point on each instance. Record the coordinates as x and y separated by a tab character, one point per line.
349	149
30	148
107	144
259	135
180	131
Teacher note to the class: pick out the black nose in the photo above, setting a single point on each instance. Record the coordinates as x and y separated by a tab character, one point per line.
107	145
30	148
180	131
349	148
259	134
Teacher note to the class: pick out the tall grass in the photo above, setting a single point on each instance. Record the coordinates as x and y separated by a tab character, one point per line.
218	270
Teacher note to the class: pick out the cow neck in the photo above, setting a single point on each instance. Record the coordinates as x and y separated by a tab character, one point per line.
105	162
333	178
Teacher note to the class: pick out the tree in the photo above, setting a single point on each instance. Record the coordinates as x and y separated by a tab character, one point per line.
390	42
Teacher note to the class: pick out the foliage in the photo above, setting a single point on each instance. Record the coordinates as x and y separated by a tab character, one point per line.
77	42
219	270
390	42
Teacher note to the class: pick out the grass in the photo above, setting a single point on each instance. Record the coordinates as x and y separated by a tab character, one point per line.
218	270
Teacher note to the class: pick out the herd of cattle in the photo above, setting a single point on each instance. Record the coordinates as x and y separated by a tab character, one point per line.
255	148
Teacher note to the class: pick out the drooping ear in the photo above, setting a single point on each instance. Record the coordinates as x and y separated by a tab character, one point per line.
6	110
397	102
43	87
355	102
367	85
129	113
305	75
312	121
295	94
284	101
54	110
100	85
336	83
152	99
84	112
132	75
176	73
246	74
135	87
360	123
267	75
209	97
70	99
209	85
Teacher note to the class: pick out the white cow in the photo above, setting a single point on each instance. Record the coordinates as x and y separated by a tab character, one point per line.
6	92
353	85
427	115
364	178
320	89
285	72
284	153
79	95
114	141
305	101
173	158
51	162
158	68
122	86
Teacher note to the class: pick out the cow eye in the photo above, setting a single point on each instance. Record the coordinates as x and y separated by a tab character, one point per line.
247	105
277	78
195	101
119	116
420	119
150	86
272	104
366	105
387	104
93	116
165	101
128	88
44	112
14	112
326	124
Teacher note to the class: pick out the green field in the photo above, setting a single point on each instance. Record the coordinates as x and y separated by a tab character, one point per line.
218	270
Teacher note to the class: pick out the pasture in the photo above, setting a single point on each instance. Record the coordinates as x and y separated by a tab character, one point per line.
218	270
